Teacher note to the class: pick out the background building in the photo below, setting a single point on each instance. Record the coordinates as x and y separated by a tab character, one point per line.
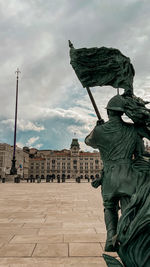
22	161
71	163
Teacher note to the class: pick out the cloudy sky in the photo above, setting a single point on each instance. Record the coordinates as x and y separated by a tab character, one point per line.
34	37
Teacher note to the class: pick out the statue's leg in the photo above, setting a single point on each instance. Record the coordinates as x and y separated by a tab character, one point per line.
111	220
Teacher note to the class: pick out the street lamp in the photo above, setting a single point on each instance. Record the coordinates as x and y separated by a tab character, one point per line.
13	170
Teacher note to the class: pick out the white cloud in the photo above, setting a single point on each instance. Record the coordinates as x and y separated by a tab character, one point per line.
23	125
19	144
32	140
84	147
31	143
38	146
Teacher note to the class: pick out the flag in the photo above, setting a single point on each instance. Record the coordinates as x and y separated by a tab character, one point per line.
102	66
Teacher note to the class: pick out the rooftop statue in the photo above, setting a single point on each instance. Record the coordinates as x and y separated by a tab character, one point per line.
125	180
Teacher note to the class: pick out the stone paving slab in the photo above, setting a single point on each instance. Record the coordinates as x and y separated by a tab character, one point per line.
16	250
51	225
51	250
85	249
72	238
32	239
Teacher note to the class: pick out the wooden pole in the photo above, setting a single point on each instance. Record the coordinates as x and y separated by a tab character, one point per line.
93	103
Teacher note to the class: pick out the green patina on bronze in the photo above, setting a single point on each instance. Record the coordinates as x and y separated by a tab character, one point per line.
125	180
102	66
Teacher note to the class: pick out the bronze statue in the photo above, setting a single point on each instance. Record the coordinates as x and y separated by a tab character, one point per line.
120	145
125	180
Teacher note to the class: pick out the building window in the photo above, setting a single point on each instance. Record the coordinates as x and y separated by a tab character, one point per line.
86	158
75	162
96	161
91	158
53	161
75	167
63	158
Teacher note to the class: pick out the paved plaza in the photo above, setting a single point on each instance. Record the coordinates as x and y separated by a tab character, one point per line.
50	224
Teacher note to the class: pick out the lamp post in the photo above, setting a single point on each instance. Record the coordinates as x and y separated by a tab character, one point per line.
13	170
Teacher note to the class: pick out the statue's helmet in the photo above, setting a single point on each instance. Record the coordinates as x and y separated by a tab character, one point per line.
116	103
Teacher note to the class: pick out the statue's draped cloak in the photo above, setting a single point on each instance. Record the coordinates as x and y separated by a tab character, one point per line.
117	142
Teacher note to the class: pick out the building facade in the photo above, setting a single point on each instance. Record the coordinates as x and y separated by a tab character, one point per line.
22	161
70	163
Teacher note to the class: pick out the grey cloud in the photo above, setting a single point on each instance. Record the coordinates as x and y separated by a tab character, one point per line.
34	36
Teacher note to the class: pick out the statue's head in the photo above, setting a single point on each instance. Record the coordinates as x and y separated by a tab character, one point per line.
116	105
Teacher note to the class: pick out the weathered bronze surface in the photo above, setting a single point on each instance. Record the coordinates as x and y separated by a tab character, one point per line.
102	66
125	180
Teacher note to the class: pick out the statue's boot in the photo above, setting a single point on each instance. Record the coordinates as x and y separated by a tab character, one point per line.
111	220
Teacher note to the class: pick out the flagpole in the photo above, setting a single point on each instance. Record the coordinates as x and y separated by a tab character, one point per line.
13	170
93	103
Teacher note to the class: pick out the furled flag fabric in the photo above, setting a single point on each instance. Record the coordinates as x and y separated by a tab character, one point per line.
102	66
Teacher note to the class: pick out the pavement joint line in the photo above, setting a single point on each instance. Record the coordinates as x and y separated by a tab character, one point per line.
94	228
11	238
33	249
68	249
